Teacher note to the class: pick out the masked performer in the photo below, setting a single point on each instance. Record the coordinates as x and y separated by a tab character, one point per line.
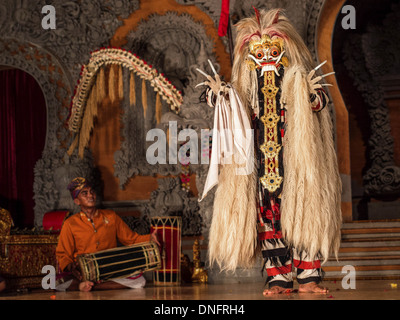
288	206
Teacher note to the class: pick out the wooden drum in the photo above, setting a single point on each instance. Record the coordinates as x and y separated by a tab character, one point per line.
169	232
120	262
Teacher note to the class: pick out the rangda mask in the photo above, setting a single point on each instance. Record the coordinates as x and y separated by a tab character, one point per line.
267	53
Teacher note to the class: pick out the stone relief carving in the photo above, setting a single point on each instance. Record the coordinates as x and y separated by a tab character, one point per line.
175	45
140	225
369	57
130	159
170	43
197	115
170	200
47	71
53	81
313	11
52	175
80	27
212	8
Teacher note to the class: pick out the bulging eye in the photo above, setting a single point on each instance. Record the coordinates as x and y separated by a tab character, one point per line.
275	52
259	54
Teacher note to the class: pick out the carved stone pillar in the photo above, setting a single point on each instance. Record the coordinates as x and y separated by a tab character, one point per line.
372	60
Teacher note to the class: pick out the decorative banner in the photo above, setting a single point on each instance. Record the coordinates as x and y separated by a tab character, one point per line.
90	90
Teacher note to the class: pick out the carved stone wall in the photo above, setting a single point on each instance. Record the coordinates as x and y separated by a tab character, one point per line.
367	66
54	83
370	57
171	44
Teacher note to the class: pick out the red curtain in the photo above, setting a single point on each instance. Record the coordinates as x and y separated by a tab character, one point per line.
22	137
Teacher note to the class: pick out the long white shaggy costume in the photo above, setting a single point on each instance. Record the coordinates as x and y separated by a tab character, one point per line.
309	193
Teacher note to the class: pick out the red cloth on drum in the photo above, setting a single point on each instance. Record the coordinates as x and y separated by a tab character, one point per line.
169	235
171	242
54	220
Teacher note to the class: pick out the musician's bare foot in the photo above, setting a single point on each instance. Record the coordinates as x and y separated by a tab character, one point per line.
312	287
85	286
276	290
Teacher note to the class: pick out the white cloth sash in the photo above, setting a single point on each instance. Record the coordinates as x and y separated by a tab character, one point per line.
232	136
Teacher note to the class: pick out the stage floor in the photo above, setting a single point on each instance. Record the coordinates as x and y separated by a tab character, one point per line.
365	290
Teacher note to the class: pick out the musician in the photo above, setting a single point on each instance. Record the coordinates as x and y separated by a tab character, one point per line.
92	230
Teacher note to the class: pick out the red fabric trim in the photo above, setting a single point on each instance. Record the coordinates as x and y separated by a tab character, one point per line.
319	94
135	277
269	235
317	107
316	264
223	18
279	270
269	215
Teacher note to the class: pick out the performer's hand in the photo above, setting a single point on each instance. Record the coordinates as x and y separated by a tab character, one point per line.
313	83
215	84
153	237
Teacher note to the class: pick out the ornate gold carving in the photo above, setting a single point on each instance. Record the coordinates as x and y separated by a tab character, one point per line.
22	256
285	62
199	273
5	224
270	148
269	91
266	43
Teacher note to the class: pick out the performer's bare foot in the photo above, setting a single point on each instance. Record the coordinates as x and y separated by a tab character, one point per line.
312	287
276	290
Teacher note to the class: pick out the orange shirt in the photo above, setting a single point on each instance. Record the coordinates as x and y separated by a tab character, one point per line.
78	235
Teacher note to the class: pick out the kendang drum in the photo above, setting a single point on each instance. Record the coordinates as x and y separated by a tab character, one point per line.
120	262
169	230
